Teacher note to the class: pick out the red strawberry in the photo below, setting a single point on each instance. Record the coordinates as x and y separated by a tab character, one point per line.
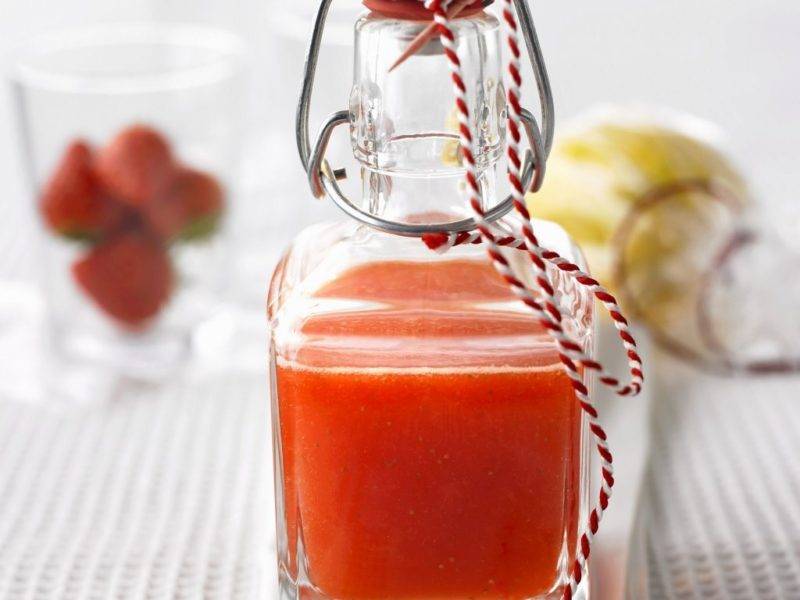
72	203
129	276
136	166
190	208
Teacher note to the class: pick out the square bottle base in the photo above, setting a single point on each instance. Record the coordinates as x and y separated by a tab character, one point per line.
289	590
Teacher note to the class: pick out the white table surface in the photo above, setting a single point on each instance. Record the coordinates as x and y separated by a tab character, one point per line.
151	493
720	507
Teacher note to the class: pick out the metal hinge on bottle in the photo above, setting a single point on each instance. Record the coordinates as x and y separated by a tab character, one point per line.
324	179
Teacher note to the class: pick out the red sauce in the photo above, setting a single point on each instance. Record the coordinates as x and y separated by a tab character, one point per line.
412	482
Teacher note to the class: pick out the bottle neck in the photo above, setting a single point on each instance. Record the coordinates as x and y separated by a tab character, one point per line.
404	125
420	200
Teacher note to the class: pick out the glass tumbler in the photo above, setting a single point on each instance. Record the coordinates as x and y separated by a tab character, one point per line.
131	135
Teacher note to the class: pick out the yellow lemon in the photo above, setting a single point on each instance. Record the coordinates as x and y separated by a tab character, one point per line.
604	167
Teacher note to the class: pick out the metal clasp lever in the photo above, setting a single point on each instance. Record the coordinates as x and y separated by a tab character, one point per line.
323	179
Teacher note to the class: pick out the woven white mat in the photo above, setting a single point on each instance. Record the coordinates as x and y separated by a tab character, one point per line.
719	516
157	492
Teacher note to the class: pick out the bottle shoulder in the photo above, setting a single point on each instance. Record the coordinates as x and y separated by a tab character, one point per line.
324	250
344	292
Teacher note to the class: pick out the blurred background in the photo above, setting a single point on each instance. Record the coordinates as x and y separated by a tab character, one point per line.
197	521
717	60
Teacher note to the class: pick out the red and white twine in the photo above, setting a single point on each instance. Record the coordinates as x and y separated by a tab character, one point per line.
543	302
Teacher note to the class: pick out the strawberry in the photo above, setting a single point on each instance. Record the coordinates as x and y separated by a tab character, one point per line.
129	276
72	203
136	166
190	208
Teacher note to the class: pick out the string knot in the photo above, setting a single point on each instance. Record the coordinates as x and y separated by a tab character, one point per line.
435	241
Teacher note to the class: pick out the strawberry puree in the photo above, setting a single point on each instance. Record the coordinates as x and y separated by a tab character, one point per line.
424	473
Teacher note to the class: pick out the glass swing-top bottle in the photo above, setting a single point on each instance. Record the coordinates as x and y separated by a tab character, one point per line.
428	445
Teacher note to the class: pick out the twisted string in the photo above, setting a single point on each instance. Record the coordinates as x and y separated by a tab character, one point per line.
442	243
571	354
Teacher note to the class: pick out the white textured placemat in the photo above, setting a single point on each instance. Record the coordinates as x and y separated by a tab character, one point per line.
720	510
155	492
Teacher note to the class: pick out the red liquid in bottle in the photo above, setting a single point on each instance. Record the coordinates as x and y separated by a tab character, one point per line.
427	453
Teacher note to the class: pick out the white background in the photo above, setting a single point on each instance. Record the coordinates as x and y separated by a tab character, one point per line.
733	62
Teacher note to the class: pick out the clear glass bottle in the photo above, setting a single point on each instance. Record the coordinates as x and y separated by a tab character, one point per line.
427	442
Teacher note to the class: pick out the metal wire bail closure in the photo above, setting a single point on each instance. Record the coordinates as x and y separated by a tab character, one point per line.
323	179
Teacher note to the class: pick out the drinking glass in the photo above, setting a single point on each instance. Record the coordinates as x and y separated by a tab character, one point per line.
131	137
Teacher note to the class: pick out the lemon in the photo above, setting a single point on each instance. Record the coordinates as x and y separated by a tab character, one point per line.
602	167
